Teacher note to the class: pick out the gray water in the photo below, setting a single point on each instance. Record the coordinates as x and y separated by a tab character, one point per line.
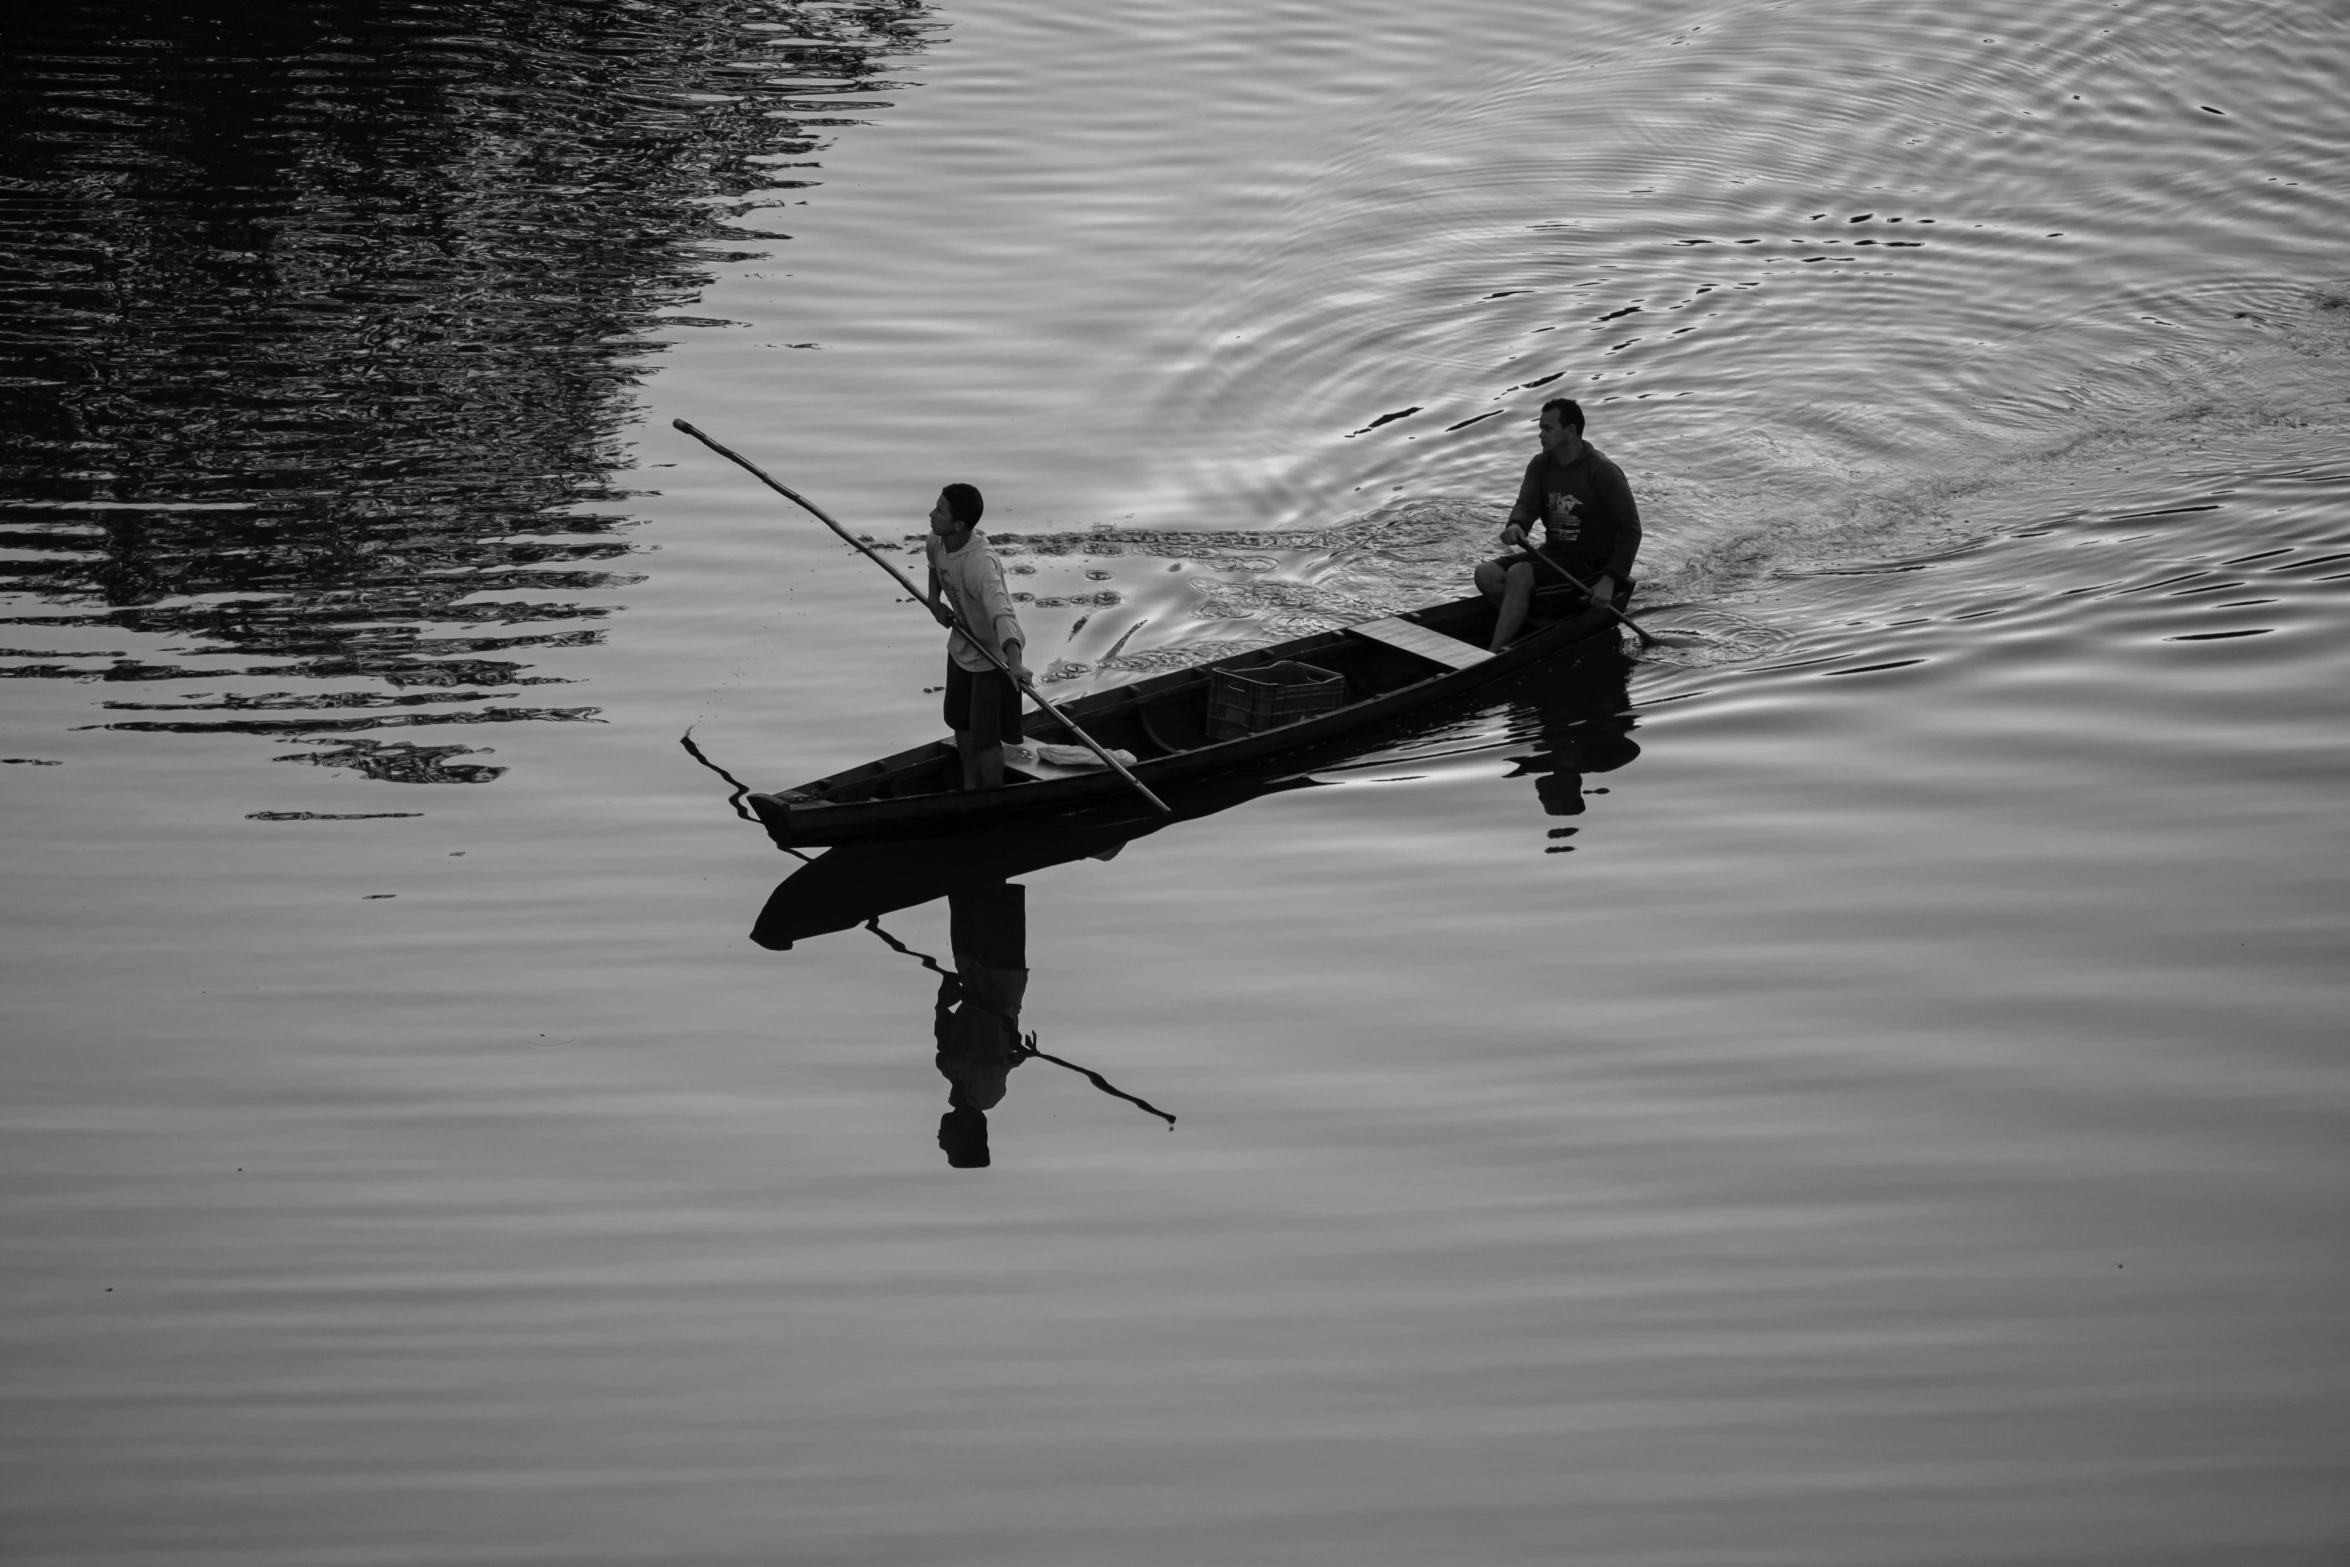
1866	1087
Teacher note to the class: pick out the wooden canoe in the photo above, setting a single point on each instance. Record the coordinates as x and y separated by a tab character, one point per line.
1390	667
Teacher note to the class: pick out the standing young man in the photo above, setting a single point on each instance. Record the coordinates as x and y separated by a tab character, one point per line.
1589	526
982	706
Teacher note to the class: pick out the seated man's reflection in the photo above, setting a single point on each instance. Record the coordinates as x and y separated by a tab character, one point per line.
978	1019
1582	725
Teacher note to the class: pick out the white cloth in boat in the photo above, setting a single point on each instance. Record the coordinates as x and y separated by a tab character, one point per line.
1072	757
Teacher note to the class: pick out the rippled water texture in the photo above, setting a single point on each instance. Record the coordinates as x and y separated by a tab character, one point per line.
1861	1085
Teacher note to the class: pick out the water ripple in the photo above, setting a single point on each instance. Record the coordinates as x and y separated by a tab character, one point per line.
323	327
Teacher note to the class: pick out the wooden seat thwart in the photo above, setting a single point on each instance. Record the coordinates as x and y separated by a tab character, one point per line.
1451	652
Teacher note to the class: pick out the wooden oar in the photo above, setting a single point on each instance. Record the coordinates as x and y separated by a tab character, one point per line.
1646	640
906	582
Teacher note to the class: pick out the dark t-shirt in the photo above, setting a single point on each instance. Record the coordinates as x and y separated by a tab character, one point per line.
1588	519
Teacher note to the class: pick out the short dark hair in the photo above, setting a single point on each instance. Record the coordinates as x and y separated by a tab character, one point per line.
963	503
962	1136
1570	411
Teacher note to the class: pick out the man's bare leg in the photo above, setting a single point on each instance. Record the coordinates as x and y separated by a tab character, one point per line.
1492	582
1517	596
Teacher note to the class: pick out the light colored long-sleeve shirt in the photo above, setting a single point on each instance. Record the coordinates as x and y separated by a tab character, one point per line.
973	582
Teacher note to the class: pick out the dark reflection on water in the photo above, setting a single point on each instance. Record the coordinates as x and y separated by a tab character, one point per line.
856	884
1581	725
978	1013
334	306
976	1023
1570	718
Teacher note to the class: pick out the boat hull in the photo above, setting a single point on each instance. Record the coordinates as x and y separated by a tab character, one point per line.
910	794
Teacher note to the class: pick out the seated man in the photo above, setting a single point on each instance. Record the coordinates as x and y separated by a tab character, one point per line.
1590	528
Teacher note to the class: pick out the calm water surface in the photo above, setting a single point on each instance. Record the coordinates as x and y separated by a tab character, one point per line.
1864	1088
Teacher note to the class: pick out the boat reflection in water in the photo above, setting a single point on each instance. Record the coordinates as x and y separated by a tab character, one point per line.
1577	715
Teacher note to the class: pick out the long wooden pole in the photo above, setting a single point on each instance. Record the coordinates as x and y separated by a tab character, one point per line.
906	582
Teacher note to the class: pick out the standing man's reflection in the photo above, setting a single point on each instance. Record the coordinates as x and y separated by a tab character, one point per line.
978	1020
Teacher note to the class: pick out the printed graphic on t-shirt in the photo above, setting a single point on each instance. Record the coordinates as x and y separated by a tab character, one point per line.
1564	525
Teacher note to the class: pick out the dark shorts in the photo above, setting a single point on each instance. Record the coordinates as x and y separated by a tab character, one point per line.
1552	593
983	701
